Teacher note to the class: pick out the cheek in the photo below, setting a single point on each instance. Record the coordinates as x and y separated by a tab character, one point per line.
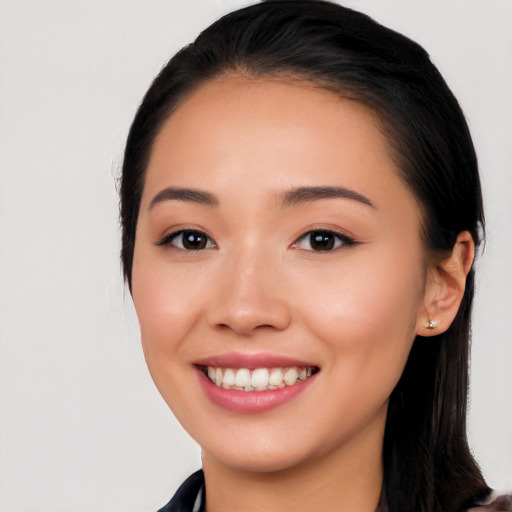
166	304
167	309
367	313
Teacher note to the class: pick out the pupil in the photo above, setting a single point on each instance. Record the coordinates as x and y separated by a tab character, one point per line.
193	240
322	241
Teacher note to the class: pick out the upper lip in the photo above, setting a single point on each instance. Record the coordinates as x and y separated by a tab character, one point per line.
251	361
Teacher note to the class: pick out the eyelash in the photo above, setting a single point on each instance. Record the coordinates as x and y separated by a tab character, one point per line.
333	240
170	238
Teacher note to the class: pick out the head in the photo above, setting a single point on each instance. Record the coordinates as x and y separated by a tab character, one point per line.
349	56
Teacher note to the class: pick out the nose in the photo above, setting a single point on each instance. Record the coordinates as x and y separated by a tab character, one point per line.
249	297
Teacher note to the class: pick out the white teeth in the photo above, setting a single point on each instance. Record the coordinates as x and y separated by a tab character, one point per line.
290	376
276	377
257	379
242	378
218	375
229	377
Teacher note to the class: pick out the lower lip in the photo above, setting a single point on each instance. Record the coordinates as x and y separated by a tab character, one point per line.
251	401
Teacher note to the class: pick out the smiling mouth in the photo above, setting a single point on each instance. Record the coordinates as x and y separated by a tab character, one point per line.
258	379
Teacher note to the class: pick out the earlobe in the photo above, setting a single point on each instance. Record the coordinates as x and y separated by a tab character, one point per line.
444	288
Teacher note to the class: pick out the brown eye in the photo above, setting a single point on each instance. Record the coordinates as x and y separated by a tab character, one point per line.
194	240
188	240
323	241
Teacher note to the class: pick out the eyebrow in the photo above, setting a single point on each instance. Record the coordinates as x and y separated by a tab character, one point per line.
293	197
301	195
184	194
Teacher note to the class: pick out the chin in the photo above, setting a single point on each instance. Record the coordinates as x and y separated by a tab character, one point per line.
267	452
260	461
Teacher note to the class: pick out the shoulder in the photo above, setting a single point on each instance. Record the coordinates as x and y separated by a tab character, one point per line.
187	494
495	503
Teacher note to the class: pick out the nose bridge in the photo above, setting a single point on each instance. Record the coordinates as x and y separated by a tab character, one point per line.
249	294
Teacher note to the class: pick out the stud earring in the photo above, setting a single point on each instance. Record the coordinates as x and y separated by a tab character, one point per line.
432	324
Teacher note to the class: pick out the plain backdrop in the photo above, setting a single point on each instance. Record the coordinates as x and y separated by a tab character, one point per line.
81	426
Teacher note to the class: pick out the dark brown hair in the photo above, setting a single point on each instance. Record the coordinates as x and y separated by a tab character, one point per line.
427	463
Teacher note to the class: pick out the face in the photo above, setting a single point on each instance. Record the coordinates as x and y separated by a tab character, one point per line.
278	273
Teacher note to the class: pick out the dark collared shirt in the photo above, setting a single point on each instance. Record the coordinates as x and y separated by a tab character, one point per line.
190	498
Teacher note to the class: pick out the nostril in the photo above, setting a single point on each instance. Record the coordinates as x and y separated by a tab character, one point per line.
243	310
244	329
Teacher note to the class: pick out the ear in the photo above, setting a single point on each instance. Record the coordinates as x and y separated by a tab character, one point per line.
444	287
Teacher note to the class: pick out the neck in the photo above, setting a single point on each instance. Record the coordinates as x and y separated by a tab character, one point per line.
343	480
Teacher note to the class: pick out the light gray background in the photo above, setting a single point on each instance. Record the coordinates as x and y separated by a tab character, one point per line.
82	427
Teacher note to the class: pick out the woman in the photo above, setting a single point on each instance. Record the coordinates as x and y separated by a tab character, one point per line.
301	207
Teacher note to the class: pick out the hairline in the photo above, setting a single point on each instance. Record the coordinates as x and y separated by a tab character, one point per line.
302	78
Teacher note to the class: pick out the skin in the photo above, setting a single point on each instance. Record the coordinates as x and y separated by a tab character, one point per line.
353	311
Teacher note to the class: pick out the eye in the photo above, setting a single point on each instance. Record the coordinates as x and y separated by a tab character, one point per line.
188	240
322	241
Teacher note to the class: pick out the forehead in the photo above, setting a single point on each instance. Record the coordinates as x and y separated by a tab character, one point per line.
267	134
